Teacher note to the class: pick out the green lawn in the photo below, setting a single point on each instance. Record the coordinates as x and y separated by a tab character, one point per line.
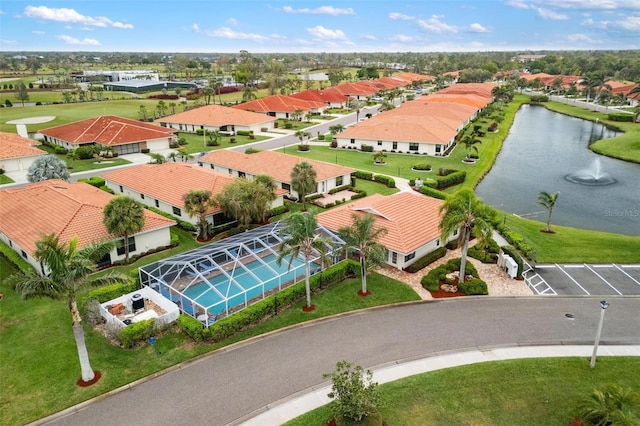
543	391
84	165
5	179
39	368
196	143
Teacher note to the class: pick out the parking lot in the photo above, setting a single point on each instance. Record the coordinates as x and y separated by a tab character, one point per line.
585	279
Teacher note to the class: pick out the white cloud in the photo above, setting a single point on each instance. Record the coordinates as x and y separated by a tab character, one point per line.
630	23
591	4
401	38
195	28
434	25
323	10
369	37
400	17
519	4
226	32
71	15
232	21
326	34
580	38
37	32
551	15
84	42
9	42
477	28
86	29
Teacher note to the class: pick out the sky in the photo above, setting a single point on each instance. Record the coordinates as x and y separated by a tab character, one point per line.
326	26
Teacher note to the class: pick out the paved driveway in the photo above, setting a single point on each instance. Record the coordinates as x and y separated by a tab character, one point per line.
587	279
236	381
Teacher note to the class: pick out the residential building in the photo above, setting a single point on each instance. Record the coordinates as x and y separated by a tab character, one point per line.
217	117
70	210
123	135
412	222
278	166
281	106
17	153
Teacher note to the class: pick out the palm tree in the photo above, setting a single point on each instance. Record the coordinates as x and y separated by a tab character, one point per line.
300	237
470	143
610	405
549	202
336	128
198	202
466	213
69	269
156	158
47	167
303	181
123	217
362	237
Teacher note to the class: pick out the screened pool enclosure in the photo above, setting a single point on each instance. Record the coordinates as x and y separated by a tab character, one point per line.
223	277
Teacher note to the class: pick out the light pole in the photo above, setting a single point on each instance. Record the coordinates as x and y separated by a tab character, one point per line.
604	305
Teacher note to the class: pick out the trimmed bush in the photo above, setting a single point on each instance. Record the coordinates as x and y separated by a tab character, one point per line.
251	150
105	188
321	137
539	98
387	180
360	194
366	148
431	192
511	251
616	116
338	189
422	166
362	175
303	147
478	252
145	150
427	259
445	181
452	245
474	286
59	149
133	333
244	132
96	181
191	327
112	291
333	144
431	281
278	211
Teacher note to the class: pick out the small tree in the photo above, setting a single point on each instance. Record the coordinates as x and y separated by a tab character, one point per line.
197	202
355	395
123	217
378	157
611	405
303	181
47	167
21	93
549	202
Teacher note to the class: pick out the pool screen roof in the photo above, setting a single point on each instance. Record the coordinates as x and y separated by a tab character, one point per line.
227	275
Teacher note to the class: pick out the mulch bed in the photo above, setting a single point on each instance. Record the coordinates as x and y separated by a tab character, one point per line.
441	294
96	376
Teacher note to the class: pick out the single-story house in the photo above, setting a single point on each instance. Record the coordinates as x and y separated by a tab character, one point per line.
412	222
217	117
357	91
278	166
123	135
331	97
163	185
281	106
70	210
17	153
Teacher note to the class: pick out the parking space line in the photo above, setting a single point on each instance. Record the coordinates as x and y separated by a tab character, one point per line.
632	279
605	281
571	278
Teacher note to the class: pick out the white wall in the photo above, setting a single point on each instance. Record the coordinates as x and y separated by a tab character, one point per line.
146	241
158	144
402	147
18	163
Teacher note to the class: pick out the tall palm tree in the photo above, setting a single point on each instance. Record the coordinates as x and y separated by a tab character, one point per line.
610	405
336	128
123	217
47	167
470	143
302	239
69	268
548	201
198	202
303	181
465	212
362	237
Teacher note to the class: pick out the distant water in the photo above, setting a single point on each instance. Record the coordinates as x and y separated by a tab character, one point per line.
541	149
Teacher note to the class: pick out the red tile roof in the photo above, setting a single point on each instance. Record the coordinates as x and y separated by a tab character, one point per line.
217	116
108	130
326	96
411	76
411	219
14	146
355	89
274	164
279	103
64	208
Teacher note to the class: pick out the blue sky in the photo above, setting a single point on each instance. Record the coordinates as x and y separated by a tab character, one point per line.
325	26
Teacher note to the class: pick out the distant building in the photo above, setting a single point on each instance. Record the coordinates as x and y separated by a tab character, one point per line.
114	76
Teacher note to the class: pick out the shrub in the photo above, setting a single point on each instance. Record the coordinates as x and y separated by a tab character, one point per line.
363	175
59	149
232	140
474	286
321	137
452	245
7	103
360	194
96	181
264	129
539	98
303	147
278	211
422	166
387	180
616	116
366	148
251	150
490	255
244	132
145	150
110	292
355	395
334	144
431	192
510	251
13	257
427	259
447	180
288	125
338	189
191	327
136	332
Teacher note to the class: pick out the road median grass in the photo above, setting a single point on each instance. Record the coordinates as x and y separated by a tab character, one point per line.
543	391
39	367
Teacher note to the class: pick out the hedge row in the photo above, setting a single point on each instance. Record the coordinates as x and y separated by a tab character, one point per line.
363	175
187	226
427	259
510	251
244	132
387	180
432	192
339	188
516	240
13	257
96	181
278	211
448	180
431	281
137	331
616	116
478	252
259	311
110	292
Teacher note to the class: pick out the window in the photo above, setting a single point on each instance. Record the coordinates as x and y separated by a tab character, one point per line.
438	148
212	167
339	181
176	211
395	145
200	164
409	256
413	146
286	186
379	143
394	257
142	196
353	141
120	246
438	242
242	174
23	253
121	188
10	243
230	171
157	203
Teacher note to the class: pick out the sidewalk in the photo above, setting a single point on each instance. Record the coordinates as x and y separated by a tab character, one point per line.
312	398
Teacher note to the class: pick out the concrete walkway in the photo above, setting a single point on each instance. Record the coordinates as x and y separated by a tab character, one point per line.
289	408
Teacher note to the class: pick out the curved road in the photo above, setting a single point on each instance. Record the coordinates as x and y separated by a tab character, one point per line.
238	380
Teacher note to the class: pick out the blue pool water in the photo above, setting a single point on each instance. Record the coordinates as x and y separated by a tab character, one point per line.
262	280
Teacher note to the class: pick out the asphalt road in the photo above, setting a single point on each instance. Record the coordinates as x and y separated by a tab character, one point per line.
233	382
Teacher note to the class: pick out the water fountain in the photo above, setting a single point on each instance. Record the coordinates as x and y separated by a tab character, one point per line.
593	176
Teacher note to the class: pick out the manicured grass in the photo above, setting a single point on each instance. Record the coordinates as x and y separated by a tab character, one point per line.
196	143
543	391
625	147
573	245
5	179
39	368
375	187
84	165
